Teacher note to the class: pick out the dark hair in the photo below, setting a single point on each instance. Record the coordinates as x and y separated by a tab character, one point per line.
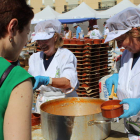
104	23
66	28
90	28
10	9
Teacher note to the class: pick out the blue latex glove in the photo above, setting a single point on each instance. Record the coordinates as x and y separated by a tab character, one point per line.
134	107
113	80
41	80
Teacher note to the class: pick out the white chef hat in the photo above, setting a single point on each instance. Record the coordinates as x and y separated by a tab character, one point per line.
46	29
96	26
75	24
122	22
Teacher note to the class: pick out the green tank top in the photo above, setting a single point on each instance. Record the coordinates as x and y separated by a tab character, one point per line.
16	76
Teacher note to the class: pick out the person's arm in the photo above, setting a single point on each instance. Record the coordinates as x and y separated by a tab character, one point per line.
65	36
70	35
17	119
79	36
68	76
105	36
61	83
78	31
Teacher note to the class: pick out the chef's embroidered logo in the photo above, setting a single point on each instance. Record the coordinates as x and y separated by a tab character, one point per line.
93	33
57	75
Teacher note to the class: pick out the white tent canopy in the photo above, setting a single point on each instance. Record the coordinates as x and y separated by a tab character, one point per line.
46	13
116	9
81	11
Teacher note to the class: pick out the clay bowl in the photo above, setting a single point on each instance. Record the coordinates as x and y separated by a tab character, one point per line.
97	41
122	50
66	41
112	109
102	40
89	41
35	119
80	42
73	41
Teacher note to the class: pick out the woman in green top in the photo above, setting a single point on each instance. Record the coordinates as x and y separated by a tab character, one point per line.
16	91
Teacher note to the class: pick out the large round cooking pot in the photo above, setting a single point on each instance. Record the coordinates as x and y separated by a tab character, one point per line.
74	118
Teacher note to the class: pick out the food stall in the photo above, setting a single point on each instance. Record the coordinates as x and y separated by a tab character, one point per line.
92	64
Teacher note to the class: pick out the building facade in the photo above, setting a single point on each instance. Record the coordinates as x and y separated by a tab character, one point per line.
63	6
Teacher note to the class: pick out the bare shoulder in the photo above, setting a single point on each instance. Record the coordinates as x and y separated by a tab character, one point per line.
17	117
22	93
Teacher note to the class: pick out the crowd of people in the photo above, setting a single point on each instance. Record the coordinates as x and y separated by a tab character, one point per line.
93	32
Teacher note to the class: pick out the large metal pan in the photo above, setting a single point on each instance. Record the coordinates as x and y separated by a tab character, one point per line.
74	118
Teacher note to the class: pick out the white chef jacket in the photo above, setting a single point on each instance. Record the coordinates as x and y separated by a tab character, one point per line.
129	83
106	31
95	34
63	64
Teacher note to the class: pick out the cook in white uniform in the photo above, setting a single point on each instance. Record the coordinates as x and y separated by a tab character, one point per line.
95	33
106	31
124	27
54	68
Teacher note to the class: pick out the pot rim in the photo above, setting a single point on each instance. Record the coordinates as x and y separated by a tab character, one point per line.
76	98
120	105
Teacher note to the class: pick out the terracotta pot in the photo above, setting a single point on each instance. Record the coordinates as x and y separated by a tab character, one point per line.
35	119
97	41
84	93
96	53
66	41
102	40
84	74
122	50
87	54
86	59
97	68
85	85
87	50
86	63
112	109
89	41
73	41
80	42
87	67
87	47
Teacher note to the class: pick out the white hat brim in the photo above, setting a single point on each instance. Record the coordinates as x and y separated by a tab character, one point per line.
114	34
42	36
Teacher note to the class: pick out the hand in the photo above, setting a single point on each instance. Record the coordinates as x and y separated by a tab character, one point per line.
41	80
134	107
113	80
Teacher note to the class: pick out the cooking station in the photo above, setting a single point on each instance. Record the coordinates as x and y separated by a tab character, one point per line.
116	133
76	119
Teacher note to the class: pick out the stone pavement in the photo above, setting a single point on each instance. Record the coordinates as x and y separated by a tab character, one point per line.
117	131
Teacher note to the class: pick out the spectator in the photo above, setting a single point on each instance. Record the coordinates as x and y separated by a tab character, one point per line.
95	33
89	30
68	33
16	90
106	31
78	30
